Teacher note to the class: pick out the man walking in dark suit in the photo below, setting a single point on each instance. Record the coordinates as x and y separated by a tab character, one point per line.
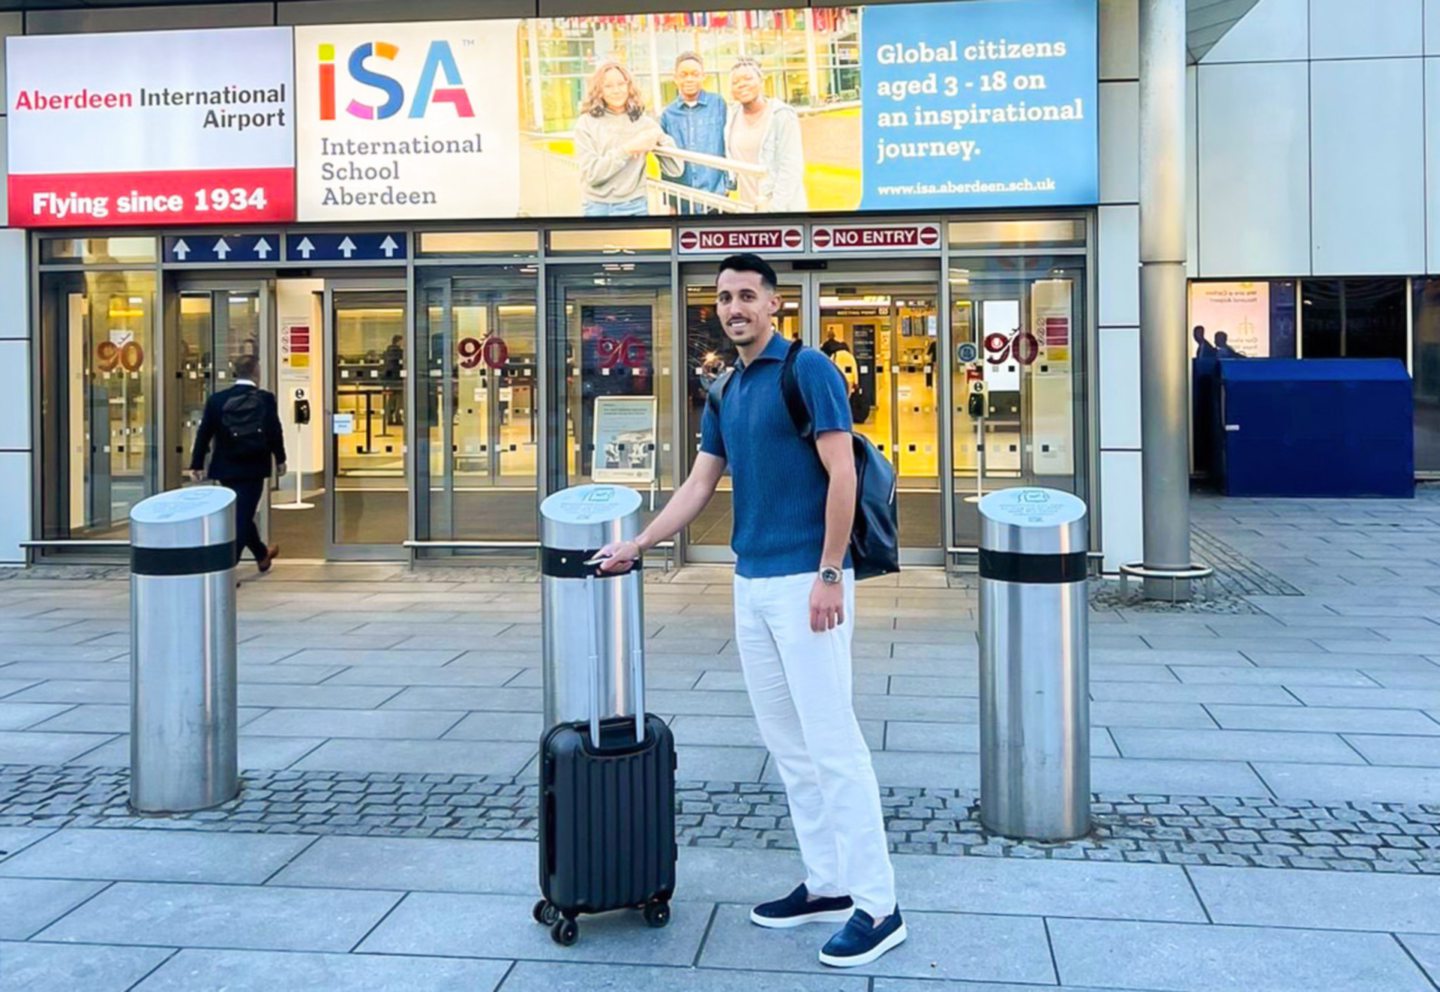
244	423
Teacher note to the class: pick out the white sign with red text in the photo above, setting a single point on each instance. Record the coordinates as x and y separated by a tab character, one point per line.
870	237
173	127
724	240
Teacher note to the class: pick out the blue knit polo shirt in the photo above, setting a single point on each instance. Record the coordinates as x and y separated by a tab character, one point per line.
779	484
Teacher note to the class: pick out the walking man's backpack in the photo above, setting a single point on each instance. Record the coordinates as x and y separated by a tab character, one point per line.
243	418
874	538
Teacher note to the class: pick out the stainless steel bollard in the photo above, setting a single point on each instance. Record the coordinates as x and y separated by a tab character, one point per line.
182	651
574	524
1034	665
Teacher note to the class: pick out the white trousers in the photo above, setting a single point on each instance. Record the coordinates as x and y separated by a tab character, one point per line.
800	686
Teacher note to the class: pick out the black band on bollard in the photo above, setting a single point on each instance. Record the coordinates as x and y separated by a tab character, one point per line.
559	563
182	561
1013	566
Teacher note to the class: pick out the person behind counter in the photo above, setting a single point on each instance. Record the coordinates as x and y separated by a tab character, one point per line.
612	139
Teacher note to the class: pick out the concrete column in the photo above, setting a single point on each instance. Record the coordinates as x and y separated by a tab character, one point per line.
1163	360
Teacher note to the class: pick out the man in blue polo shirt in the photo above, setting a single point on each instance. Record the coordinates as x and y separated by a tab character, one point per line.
794	506
696	120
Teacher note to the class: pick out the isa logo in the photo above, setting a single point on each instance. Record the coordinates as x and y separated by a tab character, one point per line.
374	72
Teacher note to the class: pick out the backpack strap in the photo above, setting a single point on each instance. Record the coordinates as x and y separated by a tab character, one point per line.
716	392
790	389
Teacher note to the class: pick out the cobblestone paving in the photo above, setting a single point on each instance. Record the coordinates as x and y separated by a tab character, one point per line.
1189	830
1235	573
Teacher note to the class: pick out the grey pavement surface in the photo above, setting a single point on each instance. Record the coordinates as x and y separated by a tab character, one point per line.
1274	752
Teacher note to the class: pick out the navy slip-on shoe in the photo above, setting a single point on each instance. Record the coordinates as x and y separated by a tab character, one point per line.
860	941
798	908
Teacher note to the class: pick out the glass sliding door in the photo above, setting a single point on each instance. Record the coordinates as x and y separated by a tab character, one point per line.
611	364
369	361
212	328
708	354
885	339
477	414
1025	315
100	433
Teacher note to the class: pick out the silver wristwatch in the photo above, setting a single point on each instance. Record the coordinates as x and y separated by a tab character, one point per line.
829	576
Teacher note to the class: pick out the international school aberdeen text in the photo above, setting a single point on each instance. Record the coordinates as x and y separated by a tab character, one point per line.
222	115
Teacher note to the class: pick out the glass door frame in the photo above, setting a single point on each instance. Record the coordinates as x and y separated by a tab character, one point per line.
176	462
925	271
335	551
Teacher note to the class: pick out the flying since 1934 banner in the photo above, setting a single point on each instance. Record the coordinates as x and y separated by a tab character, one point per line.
178	127
889	107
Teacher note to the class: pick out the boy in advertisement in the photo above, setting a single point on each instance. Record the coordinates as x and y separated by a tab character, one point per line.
766	132
612	139
696	122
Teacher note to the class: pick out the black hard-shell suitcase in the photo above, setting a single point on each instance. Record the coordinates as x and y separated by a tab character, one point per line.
607	812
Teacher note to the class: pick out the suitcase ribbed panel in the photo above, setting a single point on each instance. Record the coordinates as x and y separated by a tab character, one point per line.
607	831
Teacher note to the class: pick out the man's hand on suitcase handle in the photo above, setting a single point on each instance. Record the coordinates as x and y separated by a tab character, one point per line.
617	557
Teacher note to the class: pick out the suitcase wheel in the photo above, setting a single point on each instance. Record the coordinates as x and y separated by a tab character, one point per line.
565	932
657	914
545	913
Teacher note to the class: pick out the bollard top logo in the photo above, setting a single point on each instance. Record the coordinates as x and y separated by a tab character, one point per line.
362	68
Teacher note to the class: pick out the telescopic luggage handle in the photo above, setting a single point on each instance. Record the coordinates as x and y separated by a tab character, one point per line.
637	666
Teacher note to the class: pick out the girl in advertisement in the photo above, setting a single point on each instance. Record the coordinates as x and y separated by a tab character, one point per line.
765	131
612	139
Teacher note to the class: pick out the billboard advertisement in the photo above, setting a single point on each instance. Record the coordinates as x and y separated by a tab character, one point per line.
889	107
980	103
179	127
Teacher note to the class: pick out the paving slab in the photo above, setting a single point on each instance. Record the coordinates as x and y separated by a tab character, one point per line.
416	864
1426	950
466	676
374	724
1378	749
278	971
38	967
1404	699
31	747
1372	783
463	757
156	856
225	916
1171	777
541	976
255	752
467	926
1203	674
13	840
114	718
1328	719
1111	713
1190	958
21	716
941	945
29	905
481	699
1320	900
499	726
74	691
921	985
696	762
1237	745
330	697
409	658
11	686
1150	692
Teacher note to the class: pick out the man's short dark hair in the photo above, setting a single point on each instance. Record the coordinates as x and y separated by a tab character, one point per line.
748	262
689	57
246	367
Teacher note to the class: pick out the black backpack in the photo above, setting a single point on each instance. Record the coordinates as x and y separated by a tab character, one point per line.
243	417
874	538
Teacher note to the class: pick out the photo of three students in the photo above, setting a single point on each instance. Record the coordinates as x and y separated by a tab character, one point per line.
614	136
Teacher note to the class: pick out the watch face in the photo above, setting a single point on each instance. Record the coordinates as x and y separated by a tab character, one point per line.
830	575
